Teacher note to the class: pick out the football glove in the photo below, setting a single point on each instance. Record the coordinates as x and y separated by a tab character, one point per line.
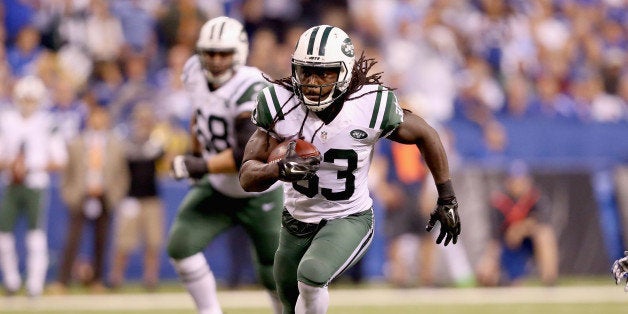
620	270
446	212
294	168
188	166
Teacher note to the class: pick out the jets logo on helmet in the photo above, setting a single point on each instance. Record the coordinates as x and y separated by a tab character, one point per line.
323	46
223	34
347	48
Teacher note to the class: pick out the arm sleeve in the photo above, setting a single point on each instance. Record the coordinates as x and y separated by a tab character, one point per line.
245	129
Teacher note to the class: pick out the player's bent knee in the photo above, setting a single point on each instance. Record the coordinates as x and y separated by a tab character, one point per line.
314	272
192	267
177	251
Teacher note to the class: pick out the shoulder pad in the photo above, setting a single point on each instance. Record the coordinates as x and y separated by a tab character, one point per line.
387	114
268	109
192	65
250	93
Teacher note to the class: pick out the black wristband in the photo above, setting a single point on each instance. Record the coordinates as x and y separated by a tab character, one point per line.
445	190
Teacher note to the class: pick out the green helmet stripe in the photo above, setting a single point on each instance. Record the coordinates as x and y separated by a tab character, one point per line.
310	46
211	31
222	28
391	117
321	48
378	99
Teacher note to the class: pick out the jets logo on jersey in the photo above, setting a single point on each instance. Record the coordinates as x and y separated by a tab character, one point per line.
358	134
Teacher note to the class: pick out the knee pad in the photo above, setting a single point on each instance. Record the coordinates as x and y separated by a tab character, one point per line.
314	272
191	268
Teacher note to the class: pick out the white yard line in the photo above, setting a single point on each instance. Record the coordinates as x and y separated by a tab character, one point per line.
339	297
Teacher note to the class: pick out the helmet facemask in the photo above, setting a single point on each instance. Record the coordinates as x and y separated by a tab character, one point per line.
220	79
300	71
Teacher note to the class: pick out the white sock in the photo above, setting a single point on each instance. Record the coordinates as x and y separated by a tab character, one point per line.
459	265
312	300
36	262
198	279
275	302
8	262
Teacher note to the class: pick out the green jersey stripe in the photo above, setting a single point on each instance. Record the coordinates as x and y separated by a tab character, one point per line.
378	99
321	48
310	46
250	92
273	94
391	118
262	115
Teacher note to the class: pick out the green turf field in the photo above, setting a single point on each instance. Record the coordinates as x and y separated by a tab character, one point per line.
573	297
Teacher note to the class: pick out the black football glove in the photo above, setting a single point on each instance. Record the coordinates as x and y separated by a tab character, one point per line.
620	270
446	213
294	168
188	166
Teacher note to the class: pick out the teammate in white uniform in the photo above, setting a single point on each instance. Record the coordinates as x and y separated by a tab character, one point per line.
31	148
223	93
331	101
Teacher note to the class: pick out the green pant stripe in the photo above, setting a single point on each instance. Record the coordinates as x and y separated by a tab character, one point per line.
357	254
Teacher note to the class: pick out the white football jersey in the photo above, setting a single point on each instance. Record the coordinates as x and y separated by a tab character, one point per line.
339	188
41	141
216	112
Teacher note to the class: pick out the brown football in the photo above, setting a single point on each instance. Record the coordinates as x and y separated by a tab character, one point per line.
303	148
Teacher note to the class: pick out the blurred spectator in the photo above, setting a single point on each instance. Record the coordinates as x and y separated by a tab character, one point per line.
518	92
94	182
180	22
520	232
30	150
107	82
407	192
138	26
16	14
479	98
140	216
550	100
172	102
104	36
68	110
399	192
23	54
137	87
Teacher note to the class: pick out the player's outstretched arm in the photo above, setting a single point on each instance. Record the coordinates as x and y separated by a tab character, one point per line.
414	130
619	270
256	174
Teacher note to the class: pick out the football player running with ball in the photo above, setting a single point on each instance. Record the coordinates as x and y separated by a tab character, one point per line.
332	102
619	270
223	92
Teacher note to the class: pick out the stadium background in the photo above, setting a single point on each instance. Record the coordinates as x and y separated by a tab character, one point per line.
574	156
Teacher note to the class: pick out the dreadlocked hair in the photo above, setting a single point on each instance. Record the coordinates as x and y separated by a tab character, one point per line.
360	77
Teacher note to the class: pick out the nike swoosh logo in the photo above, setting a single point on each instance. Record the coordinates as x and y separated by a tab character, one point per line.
453	216
267	207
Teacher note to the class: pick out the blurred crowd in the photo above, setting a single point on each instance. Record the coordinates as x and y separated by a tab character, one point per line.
477	60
